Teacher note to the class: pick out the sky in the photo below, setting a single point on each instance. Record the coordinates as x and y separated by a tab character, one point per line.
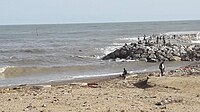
96	11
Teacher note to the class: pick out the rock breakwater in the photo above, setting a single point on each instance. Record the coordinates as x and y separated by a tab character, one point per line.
158	47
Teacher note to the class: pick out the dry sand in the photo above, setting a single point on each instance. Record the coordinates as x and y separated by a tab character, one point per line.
175	92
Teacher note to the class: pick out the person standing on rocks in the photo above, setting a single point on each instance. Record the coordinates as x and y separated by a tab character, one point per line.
157	40
144	39
162	68
164	42
138	38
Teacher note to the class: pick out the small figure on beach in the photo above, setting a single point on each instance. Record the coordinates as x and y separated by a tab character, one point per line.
162	68
124	73
144	37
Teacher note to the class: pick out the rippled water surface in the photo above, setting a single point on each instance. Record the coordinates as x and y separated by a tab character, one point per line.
41	53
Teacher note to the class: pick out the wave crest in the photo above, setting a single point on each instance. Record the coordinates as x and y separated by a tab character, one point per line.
12	71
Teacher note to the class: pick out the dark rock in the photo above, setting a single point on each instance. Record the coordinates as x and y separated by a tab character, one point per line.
143	59
159	103
109	56
163	107
152	56
152	60
139	51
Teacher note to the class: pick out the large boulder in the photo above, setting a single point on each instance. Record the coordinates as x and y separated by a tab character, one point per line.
139	51
109	56
119	53
190	48
175	58
152	59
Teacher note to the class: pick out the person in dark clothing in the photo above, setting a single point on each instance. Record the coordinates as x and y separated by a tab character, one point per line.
124	73
144	37
164	42
162	68
157	40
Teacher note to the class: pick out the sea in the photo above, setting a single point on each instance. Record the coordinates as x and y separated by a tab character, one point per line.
32	54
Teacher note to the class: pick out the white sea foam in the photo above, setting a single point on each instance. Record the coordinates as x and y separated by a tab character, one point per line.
181	32
196	41
124	60
2	69
109	49
89	76
118	44
108	74
128	39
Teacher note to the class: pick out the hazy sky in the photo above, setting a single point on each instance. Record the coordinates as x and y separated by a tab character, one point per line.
87	11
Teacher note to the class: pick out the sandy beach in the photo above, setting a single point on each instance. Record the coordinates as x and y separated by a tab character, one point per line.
177	91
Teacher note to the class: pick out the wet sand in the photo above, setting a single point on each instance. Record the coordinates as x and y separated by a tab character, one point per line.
177	91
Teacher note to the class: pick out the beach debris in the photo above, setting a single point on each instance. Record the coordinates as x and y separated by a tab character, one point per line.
187	70
192	69
44	105
41	86
122	111
163	107
16	88
168	101
92	84
142	83
55	100
79	84
119	96
22	85
108	110
29	107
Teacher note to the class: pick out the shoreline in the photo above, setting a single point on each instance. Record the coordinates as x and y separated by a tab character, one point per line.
169	66
176	91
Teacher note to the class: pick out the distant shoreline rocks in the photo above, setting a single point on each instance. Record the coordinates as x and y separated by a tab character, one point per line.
159	47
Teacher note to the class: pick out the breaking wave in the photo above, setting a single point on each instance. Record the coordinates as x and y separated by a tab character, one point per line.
133	39
12	71
15	71
196	41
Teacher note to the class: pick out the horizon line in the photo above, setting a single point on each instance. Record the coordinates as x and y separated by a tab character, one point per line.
103	22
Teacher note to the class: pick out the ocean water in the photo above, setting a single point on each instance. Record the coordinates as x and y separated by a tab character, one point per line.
42	53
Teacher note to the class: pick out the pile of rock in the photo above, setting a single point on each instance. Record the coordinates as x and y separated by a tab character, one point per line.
154	49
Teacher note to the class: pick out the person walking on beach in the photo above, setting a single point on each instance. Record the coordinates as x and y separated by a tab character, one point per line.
162	67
